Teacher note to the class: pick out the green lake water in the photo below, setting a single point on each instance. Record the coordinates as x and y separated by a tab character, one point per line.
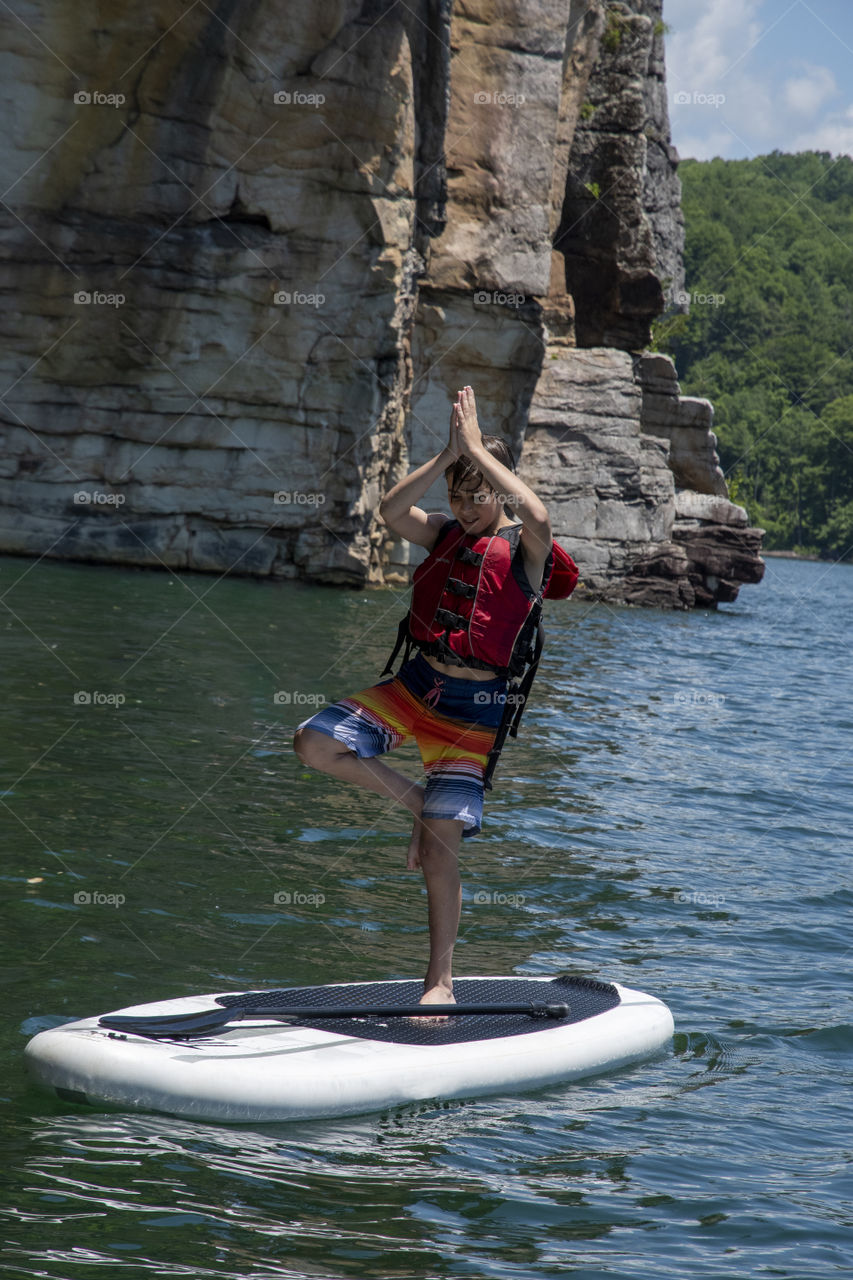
675	816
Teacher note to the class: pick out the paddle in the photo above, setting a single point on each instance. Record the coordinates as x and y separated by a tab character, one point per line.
187	1025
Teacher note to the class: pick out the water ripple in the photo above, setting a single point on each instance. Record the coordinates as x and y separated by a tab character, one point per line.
674	816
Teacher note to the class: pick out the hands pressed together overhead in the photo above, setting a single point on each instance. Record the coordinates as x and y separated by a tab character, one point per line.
465	434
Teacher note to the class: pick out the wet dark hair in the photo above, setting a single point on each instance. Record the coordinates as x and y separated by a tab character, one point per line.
464	469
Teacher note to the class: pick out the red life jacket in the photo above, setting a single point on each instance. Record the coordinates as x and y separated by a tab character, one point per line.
472	604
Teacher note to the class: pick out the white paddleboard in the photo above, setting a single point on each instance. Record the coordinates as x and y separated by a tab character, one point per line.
258	1069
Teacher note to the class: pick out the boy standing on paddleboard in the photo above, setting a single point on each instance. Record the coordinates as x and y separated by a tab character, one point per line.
476	601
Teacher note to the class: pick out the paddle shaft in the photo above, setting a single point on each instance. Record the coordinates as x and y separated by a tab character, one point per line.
209	1019
412	1011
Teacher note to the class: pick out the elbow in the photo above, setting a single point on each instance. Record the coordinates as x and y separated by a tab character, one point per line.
532	511
386	513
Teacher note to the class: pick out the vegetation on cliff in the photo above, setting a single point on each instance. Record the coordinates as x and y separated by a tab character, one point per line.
769	337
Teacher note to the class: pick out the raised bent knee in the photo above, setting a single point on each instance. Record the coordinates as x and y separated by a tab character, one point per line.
316	749
302	745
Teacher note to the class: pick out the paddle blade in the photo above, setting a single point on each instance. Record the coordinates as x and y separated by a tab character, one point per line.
177	1025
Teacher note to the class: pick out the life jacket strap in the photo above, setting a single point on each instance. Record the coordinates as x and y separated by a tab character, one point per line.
459	588
518	691
451	620
469	556
403	638
523	692
439	648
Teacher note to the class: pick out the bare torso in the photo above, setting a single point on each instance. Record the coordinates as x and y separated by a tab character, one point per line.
461	673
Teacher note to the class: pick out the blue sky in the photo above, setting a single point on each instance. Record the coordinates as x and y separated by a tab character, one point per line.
745	77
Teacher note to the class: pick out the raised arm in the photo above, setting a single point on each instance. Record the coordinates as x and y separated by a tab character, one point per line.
397	507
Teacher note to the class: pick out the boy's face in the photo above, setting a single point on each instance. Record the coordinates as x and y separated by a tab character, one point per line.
475	505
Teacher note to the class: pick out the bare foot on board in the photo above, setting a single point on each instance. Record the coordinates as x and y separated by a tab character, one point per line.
438	994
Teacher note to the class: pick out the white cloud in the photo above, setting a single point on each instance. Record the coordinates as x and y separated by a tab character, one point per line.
702	50
833	134
732	93
706	75
736	117
707	145
806	94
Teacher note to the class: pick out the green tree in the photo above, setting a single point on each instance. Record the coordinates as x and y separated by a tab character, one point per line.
769	338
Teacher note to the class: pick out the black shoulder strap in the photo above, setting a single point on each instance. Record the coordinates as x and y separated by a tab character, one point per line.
517	694
403	638
443	531
523	691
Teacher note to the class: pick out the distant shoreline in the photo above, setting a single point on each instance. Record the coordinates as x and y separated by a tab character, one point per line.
794	555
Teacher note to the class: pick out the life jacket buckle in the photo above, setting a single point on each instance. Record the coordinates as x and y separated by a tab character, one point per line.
459	588
451	620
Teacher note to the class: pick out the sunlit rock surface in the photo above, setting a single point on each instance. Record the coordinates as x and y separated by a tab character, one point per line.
251	251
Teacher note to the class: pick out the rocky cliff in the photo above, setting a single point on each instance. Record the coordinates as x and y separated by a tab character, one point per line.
251	250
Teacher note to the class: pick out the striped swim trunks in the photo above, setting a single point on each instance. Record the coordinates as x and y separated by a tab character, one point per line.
453	721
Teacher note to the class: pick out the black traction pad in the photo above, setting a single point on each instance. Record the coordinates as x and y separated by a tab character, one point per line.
585	997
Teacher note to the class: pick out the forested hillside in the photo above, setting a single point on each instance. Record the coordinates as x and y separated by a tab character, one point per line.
769	338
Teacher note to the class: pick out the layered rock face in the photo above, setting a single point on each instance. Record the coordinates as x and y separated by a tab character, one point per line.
606	484
599	450
252	251
213	255
516	81
721	549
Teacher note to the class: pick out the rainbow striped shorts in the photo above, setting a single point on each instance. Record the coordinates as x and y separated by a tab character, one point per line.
453	721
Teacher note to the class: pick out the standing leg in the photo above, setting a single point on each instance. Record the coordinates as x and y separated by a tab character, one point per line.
454	751
439	860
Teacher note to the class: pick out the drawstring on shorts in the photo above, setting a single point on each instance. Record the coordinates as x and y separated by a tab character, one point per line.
432	696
